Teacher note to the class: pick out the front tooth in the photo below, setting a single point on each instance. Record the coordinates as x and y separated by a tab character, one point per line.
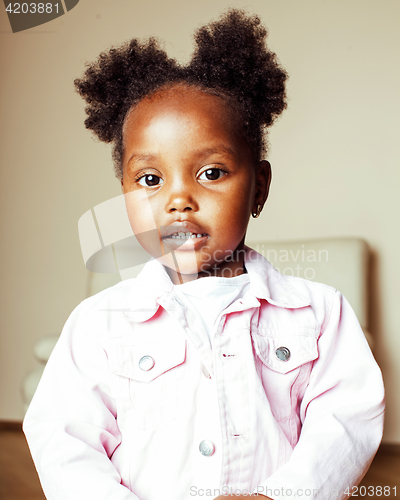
183	236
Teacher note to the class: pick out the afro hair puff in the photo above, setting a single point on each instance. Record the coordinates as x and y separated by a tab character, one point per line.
231	59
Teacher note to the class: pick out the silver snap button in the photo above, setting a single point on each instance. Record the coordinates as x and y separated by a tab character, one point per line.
206	448
282	353
146	363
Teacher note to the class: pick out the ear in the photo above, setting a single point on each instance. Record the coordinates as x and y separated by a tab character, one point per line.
122	186
263	181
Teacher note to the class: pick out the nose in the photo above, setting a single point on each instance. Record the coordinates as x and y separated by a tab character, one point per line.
181	199
182	204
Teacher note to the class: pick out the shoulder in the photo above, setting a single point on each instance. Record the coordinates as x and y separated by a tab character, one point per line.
102	314
115	296
316	293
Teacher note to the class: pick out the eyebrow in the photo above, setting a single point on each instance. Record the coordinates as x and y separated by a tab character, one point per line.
141	157
219	149
200	154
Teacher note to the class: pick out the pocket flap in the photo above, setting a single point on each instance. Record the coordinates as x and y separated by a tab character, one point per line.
145	362
285	353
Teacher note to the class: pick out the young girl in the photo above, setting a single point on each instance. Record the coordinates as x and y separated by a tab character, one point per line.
210	374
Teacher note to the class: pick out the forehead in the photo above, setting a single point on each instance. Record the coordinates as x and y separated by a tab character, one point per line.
199	111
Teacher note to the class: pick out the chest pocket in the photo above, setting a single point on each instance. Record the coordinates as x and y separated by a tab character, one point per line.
284	366
150	377
285	353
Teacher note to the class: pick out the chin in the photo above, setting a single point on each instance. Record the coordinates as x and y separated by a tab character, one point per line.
185	265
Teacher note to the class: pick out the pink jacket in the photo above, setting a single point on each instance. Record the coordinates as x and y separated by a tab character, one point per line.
133	403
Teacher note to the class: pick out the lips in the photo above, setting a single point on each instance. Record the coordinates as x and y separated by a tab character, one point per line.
183	236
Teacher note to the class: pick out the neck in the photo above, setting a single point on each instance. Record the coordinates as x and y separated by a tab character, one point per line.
231	267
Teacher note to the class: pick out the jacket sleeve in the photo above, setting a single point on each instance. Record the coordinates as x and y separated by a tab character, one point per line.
71	425
342	416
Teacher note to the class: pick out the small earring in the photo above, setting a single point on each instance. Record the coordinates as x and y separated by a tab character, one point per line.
257	214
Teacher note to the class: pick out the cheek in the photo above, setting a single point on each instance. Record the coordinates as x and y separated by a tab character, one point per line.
142	221
233	211
139	212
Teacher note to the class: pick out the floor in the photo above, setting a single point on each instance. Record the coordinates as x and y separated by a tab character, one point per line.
18	479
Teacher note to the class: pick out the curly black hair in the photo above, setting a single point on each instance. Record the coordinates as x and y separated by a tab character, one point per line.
231	60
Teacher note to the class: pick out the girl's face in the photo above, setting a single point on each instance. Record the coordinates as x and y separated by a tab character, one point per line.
190	182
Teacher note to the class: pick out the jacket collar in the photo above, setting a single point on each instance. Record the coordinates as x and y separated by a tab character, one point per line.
268	284
152	283
265	283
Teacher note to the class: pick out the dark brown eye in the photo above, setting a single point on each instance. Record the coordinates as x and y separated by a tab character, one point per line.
150	180
211	174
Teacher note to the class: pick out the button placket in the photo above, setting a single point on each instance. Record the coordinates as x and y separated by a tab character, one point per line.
231	380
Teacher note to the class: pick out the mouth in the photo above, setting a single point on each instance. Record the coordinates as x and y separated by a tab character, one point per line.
182	230
184	235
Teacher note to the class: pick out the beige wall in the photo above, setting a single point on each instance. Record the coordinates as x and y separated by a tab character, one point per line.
334	154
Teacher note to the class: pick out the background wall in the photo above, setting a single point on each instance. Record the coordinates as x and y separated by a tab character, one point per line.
334	154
